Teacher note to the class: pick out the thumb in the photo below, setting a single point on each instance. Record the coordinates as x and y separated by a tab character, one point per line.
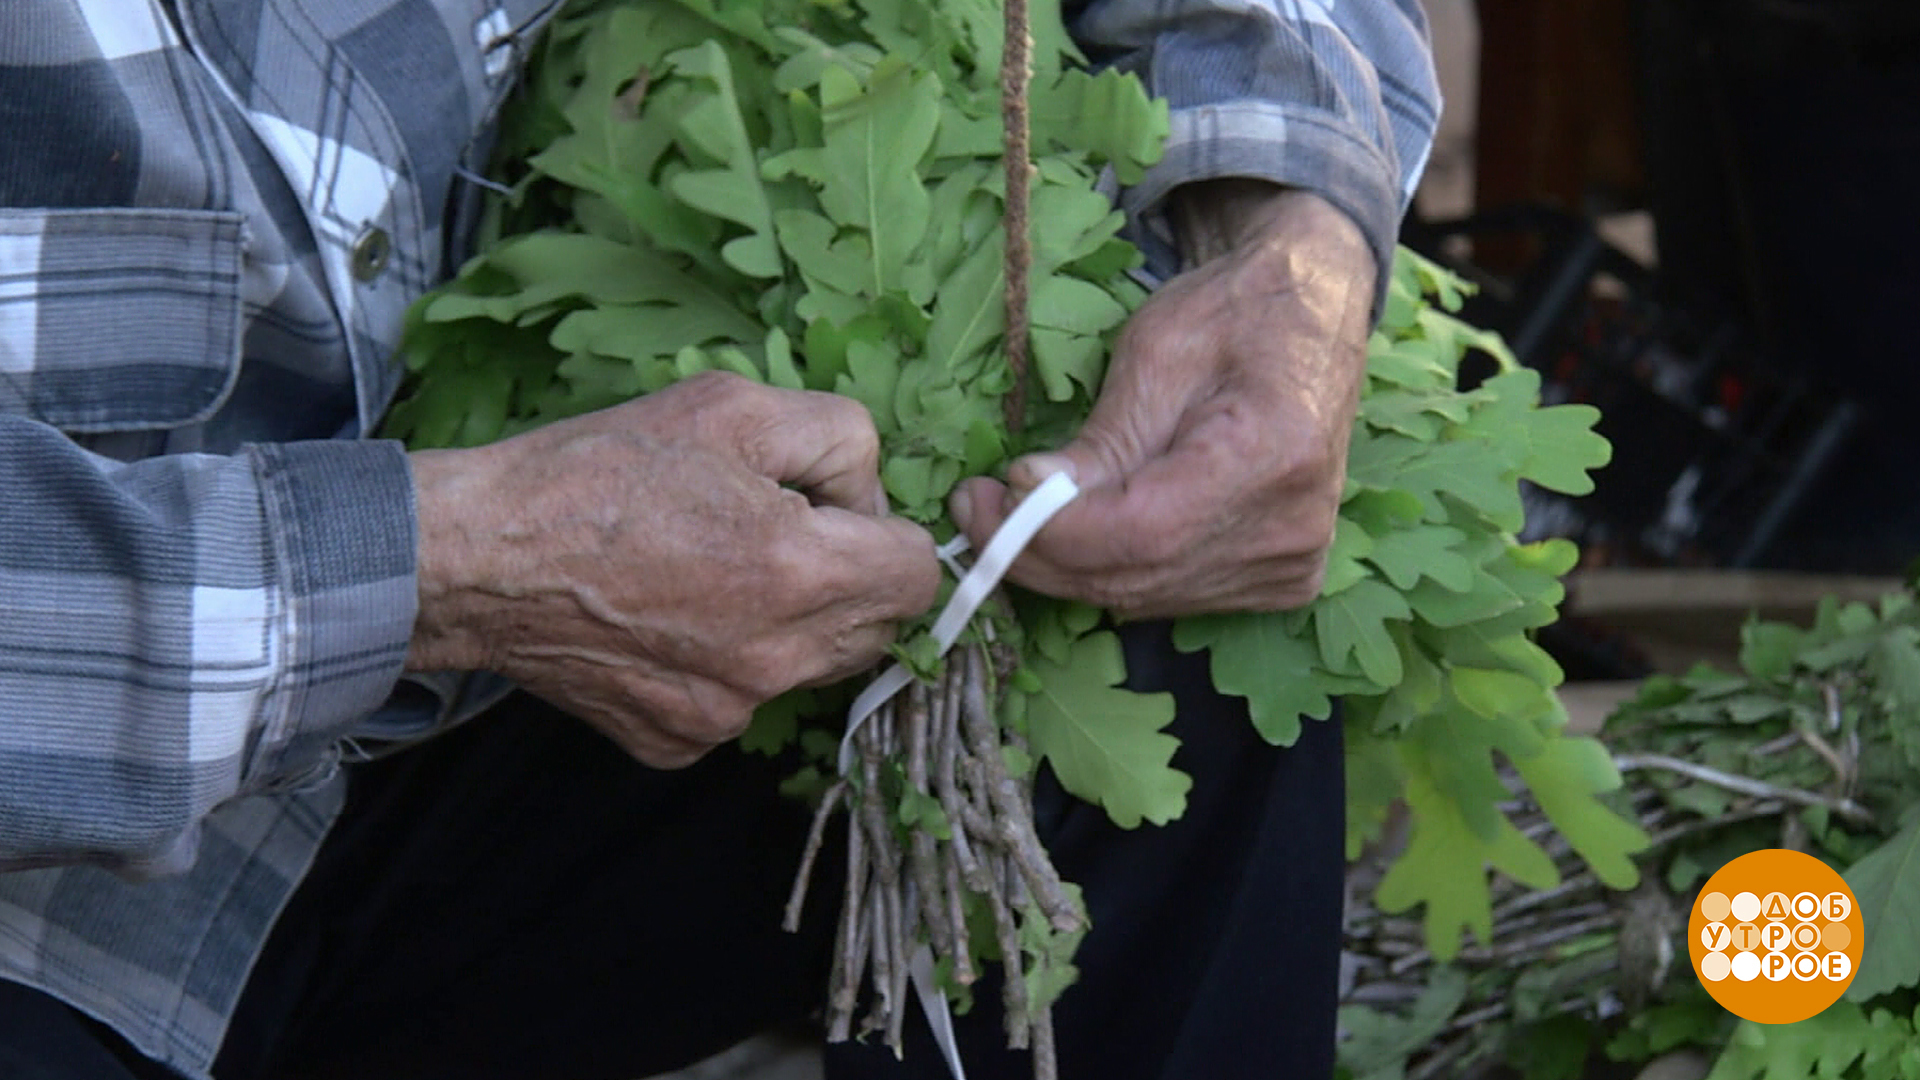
1128	427
1091	459
1029	472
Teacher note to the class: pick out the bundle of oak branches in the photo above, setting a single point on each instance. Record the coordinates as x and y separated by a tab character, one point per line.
836	197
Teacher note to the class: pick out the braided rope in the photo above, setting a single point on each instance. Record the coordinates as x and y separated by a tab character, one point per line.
1016	73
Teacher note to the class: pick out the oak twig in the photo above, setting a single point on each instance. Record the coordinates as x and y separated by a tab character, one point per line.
816	837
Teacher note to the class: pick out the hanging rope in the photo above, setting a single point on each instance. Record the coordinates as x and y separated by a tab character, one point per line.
1016	73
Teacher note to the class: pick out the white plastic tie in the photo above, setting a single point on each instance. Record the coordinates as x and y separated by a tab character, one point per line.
1007	543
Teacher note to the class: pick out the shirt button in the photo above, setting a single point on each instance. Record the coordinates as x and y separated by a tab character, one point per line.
370	254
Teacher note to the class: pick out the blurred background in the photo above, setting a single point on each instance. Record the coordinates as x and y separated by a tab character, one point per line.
1699	216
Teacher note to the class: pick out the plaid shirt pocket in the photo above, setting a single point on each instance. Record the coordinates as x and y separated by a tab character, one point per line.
119	319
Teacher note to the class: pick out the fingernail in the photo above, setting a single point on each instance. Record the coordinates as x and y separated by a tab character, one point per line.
960	505
1034	469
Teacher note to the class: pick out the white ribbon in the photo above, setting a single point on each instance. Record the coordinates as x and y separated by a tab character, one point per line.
1007	543
939	1012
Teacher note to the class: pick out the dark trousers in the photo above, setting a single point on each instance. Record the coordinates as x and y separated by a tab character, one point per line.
519	901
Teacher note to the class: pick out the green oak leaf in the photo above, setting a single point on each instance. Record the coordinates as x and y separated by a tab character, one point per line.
642	331
1407	364
614	150
1444	864
968	313
1066	303
1353	623
1405	555
1895	663
1562	448
1885	882
1054	627
1067	362
1417	696
1446	289
712	122
1381	511
1515	709
1050	953
825	345
1565	777
775	723
874	141
1351	543
1554	447
1482	646
1827	1044
1767	649
1460	764
1429	470
781	370
909	480
1453	337
843	263
960	215
1485	597
1070	223
601	381
1402	304
535	276
1422	415
1375	780
741	20
873	372
1108	114
1376	1046
1253	656
807	59
1107	745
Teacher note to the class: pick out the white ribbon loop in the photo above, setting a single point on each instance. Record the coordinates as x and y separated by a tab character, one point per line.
1003	548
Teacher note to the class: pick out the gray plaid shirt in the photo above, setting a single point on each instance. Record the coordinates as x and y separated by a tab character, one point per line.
213	215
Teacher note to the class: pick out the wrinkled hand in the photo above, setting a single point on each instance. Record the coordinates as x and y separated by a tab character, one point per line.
662	567
1213	462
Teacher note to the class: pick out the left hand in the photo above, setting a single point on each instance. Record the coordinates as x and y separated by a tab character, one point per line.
1212	465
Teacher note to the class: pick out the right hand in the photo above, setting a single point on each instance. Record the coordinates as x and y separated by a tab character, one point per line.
662	567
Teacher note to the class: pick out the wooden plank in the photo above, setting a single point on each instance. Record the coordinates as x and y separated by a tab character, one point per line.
1608	590
1678	618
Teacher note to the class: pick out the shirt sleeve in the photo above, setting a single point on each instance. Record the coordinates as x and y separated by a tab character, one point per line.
1335	96
184	629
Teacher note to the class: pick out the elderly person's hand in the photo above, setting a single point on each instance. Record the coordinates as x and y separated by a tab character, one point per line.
662	567
1213	462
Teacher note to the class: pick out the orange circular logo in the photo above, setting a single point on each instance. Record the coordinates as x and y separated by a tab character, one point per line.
1775	936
